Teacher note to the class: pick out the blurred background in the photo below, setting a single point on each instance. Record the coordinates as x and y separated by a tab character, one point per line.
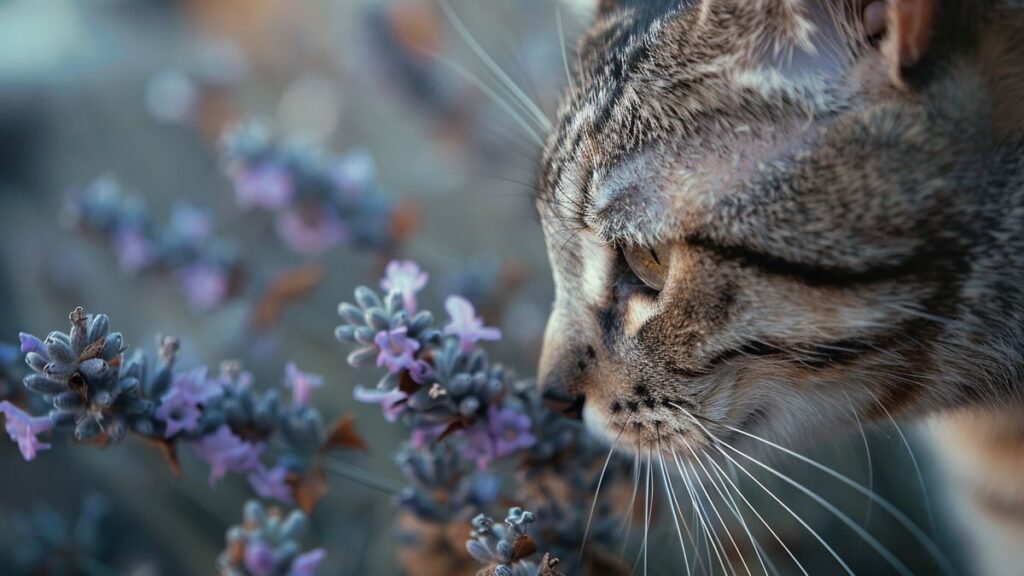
143	90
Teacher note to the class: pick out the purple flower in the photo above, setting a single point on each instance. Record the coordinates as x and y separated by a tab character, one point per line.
134	251
30	343
205	285
179	407
424	435
466	325
306	564
506	432
271	483
510	430
397	350
191	223
224	452
266	186
310	232
23	428
301	383
258	558
406	278
392	402
353	174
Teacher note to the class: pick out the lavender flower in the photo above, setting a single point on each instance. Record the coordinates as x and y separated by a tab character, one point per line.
205	285
505	547
390	401
301	383
320	200
203	264
79	374
407	279
465	324
225	452
271	483
505	432
403	334
23	429
180	407
310	232
265	185
267	544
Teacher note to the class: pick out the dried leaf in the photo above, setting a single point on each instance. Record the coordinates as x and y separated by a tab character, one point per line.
523	547
169	451
308	488
285	287
547	566
452	428
343	434
404	219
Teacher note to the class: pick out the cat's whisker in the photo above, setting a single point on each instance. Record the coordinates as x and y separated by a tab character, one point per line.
867	452
870	540
460	28
727	498
898	515
835	555
913	459
487	90
724	477
647	509
673	509
600	481
710	536
565	57
721	521
627	519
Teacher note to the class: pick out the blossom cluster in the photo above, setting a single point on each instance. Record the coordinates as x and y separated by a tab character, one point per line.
267	544
99	393
319	200
503	548
465	414
207	268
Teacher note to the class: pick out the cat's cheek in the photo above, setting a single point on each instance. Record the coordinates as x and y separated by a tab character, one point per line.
595	422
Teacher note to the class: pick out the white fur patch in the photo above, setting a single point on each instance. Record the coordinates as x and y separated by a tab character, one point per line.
596	259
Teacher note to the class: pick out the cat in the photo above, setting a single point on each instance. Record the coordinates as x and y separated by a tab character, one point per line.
771	220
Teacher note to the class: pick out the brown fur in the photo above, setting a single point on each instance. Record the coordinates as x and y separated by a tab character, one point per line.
844	222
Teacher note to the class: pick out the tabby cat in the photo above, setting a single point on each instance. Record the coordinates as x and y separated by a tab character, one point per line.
780	218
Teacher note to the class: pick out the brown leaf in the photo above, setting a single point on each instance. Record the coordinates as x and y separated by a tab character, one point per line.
169	451
308	488
523	547
288	286
547	566
452	429
405	219
343	434
406	383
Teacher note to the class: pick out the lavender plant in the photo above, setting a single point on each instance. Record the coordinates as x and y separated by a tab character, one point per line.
207	268
503	548
319	200
267	544
98	395
465	414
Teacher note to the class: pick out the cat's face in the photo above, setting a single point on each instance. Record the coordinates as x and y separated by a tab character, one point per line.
754	213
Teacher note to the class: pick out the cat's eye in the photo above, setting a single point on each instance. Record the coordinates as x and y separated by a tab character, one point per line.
650	265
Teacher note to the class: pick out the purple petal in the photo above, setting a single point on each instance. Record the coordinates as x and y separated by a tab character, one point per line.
307	563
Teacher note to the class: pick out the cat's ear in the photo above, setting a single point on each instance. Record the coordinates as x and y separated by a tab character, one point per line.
921	34
909	33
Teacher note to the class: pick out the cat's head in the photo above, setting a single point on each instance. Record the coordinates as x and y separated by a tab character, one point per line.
759	213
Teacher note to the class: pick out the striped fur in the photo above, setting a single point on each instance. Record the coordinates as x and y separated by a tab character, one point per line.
844	220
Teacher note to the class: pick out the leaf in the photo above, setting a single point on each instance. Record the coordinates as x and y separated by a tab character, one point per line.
288	286
308	488
343	434
169	451
523	547
547	566
404	220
